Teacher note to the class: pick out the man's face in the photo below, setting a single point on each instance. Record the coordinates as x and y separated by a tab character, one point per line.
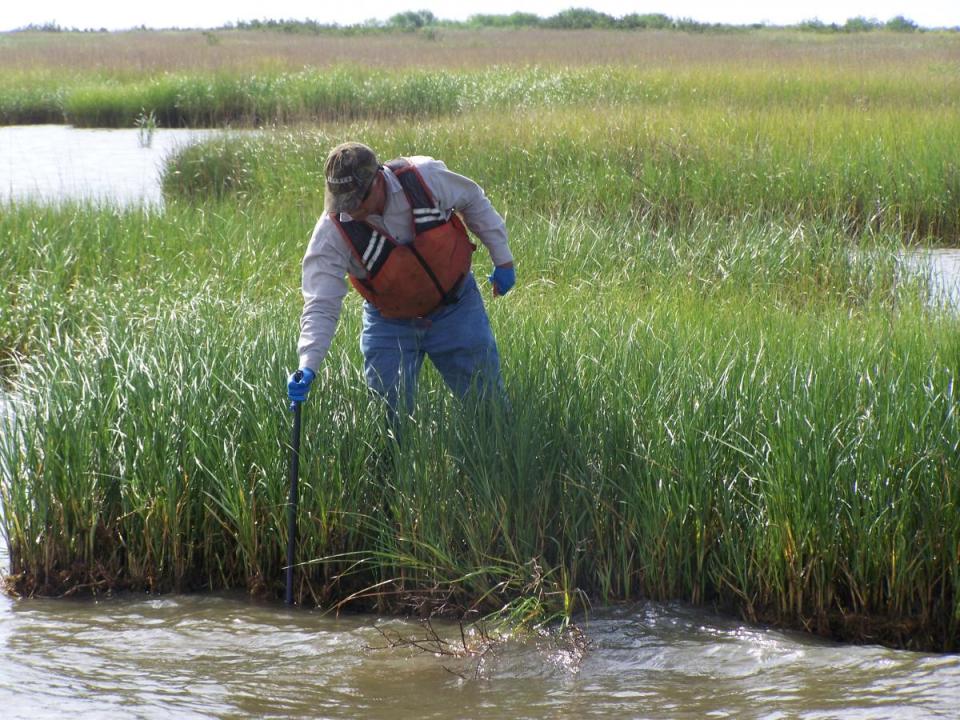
371	201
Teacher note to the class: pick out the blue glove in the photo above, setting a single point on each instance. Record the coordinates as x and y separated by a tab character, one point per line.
503	278
298	384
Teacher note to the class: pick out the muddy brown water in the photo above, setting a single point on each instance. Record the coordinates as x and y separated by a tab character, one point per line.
226	656
223	655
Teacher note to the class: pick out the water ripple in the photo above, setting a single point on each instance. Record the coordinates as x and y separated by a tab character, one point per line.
197	656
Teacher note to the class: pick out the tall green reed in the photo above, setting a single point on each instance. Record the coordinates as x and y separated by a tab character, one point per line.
61	262
795	465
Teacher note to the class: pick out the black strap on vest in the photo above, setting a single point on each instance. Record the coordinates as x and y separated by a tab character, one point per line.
447	297
426	211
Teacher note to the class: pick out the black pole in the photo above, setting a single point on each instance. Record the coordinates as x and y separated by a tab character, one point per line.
292	506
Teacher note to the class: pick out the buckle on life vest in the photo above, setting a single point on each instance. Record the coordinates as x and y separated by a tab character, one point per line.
452	296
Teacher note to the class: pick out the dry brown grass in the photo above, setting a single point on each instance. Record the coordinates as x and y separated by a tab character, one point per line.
137	51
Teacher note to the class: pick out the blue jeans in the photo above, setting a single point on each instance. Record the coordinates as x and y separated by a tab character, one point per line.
457	339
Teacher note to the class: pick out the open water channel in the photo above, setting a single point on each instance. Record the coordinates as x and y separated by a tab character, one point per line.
228	656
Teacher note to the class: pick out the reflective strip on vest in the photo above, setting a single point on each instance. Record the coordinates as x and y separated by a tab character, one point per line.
371	247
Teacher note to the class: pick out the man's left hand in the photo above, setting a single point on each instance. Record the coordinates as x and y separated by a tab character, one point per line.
502	278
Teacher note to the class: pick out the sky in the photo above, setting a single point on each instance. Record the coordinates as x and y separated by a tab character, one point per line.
118	15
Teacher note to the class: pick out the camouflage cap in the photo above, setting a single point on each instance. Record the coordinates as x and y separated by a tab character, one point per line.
350	169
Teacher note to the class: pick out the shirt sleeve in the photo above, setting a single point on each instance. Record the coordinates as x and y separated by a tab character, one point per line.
324	287
462	194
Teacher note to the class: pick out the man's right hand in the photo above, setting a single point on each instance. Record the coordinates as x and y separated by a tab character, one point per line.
298	384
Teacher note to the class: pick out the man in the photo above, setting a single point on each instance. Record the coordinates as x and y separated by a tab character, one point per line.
396	231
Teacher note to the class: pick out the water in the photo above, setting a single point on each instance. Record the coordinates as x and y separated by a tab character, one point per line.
228	656
223	656
58	162
943	269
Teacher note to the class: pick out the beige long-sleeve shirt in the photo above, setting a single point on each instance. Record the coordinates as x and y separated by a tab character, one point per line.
328	259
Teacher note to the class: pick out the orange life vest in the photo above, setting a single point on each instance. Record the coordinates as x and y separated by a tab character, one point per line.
411	280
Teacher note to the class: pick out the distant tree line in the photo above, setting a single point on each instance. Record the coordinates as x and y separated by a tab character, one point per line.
571	19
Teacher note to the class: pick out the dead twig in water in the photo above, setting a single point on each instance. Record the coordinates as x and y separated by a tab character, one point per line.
473	645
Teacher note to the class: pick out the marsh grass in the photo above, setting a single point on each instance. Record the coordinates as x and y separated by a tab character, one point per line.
347	92
799	466
139	53
729	413
722	386
868	173
65	261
